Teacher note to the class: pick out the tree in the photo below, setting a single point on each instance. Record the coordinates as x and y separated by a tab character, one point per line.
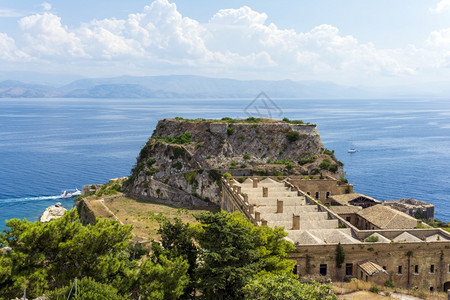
87	289
232	250
177	240
49	255
340	255
163	280
285	287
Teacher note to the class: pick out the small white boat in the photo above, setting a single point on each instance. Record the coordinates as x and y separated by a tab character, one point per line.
70	193
351	150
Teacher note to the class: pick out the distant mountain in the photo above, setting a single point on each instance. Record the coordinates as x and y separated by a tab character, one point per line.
187	86
17	89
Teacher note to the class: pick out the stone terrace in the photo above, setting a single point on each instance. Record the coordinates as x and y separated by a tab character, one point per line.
275	203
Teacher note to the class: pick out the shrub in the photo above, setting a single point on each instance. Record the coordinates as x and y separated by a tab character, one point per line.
343	180
190	177
177	152
152	171
325	164
292	136
178	165
183	138
227	175
371	239
230	130
307	160
374	289
333	168
246	156
293	121
233	165
389	284
253	120
150	162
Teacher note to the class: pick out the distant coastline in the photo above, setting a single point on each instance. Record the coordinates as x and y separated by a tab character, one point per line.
197	87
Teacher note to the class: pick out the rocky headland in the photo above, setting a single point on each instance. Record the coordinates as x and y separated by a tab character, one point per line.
183	160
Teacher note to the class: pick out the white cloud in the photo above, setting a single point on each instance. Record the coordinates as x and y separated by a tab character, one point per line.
46	6
9	51
235	42
441	6
49	37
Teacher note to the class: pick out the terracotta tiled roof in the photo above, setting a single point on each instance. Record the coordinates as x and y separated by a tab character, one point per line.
385	217
371	268
344	199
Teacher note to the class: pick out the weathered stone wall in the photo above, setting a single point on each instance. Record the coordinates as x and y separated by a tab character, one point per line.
322	186
391	256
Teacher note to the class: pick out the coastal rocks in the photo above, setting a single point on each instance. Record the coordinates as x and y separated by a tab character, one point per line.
52	212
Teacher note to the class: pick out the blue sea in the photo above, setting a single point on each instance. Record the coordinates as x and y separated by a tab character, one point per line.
47	145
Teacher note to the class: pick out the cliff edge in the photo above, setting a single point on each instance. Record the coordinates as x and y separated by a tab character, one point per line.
184	159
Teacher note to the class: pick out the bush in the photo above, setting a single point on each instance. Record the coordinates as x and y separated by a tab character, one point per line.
190	177
307	160
371	239
150	162
246	156
178	165
293	121
374	289
333	168
389	284
292	136
183	138
227	175
343	180
230	130
325	164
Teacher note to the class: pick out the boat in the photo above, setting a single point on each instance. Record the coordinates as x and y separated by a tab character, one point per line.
351	150
70	193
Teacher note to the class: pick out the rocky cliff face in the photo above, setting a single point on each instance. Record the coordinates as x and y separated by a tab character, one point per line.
184	159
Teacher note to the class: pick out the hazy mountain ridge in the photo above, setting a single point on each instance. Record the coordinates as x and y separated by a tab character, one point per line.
187	86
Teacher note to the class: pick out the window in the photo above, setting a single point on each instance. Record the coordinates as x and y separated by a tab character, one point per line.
295	270
328	194
361	275
399	270
323	269
367	278
348	269
431	288
317	195
348	219
384	268
416	269
449	268
432	269
309	193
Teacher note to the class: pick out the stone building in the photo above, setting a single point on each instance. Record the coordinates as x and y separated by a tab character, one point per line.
412	207
354	199
408	257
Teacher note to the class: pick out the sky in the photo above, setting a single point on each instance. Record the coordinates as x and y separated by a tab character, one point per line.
348	42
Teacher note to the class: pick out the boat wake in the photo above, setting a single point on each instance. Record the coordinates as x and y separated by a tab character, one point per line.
29	199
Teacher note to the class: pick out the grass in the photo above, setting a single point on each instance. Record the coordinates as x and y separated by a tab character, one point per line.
143	214
361	290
